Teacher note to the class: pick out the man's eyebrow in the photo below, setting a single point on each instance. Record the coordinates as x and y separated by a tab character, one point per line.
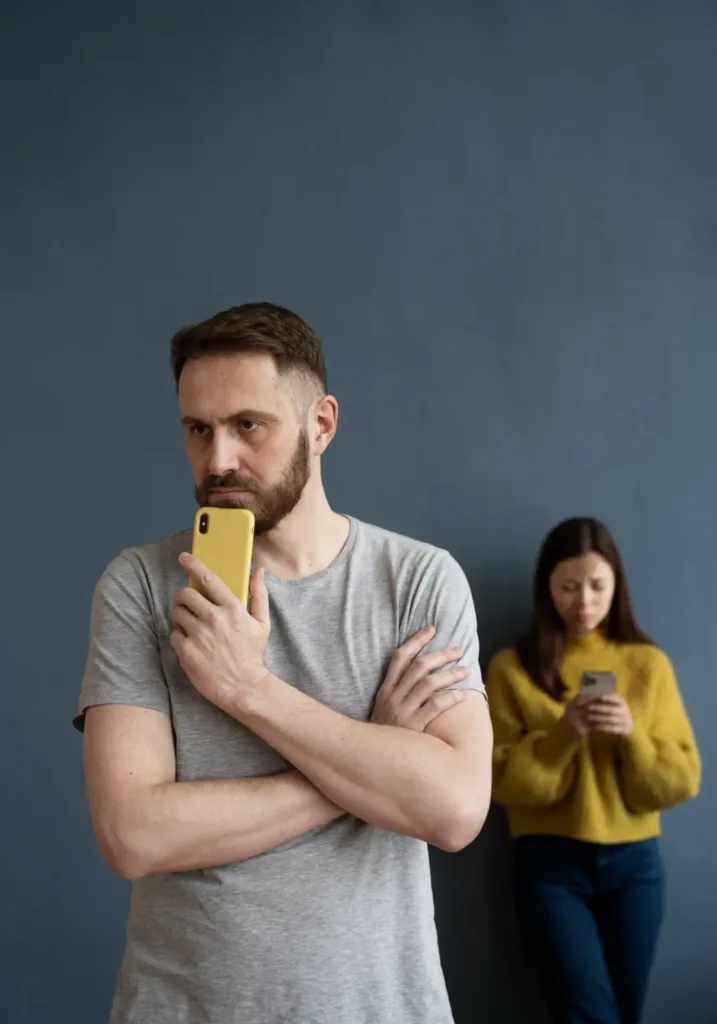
242	414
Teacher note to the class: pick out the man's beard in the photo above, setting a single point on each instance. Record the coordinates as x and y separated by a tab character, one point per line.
269	505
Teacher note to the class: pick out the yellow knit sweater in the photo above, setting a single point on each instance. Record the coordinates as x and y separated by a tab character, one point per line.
603	789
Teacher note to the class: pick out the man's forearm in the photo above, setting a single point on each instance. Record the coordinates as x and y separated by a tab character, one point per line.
185	826
394	778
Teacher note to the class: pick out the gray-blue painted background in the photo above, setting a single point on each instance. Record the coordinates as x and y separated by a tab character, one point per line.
502	219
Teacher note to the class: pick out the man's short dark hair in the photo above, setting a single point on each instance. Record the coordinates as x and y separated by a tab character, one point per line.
254	327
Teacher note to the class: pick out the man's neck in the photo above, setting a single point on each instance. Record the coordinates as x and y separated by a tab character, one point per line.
305	542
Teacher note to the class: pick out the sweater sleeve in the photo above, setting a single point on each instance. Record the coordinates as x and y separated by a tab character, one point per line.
660	764
530	768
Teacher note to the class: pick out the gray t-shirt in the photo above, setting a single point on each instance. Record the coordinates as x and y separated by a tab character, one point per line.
336	926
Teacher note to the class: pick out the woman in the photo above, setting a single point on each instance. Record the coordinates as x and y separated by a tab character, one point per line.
583	778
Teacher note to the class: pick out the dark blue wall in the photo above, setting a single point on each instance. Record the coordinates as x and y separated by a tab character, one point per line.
502	218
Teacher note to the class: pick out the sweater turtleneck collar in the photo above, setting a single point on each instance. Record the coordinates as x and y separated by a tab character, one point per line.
586	643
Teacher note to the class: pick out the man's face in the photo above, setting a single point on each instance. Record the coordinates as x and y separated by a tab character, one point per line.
244	437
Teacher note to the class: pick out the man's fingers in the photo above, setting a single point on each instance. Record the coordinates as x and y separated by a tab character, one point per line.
195	602
434	707
405	654
424	665
208	582
437	659
445	700
427	686
183	619
177	639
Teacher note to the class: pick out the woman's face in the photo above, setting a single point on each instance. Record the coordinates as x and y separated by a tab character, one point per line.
582	590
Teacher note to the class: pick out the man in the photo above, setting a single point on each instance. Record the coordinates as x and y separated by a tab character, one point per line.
269	778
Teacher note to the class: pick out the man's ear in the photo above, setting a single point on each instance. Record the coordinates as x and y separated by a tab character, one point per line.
324	422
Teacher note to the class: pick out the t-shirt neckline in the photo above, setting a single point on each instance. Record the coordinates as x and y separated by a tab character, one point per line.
333	567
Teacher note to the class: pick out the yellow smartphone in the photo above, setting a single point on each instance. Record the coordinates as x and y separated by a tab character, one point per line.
223	540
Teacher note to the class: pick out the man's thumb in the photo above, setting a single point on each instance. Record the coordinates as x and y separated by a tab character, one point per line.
259	606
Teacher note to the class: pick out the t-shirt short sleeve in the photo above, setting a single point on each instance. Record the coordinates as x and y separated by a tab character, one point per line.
442	598
123	664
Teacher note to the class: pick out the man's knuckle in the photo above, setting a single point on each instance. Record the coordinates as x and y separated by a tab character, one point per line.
403	676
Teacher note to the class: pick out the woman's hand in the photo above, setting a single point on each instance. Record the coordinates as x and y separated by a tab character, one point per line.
575	717
610	714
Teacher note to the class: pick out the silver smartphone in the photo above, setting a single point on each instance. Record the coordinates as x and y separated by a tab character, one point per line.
598	684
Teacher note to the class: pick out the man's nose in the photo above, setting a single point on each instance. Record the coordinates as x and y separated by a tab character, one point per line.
224	456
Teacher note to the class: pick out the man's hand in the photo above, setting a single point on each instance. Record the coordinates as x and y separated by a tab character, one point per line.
220	645
414	690
610	714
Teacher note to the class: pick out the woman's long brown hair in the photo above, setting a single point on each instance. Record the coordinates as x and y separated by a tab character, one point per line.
541	650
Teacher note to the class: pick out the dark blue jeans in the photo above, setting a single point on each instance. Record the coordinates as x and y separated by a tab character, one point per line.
591	916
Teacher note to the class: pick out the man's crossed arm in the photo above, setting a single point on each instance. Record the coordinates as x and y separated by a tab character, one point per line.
420	767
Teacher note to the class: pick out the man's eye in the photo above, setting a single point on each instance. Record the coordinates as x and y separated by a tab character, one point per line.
248	426
199	429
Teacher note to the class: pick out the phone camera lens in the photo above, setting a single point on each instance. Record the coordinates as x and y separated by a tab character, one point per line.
204	523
